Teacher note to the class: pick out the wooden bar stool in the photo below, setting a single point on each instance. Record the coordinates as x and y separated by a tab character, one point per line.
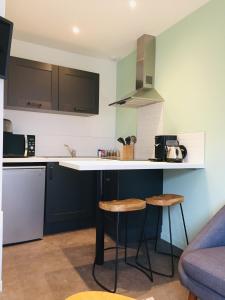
118	207
166	200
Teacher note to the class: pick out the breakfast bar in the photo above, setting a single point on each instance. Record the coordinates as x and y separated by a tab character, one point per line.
102	165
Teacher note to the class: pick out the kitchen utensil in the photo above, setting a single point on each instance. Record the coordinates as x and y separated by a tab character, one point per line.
133	139
128	140
121	140
127	152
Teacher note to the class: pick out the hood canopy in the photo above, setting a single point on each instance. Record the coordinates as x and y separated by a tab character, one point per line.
145	93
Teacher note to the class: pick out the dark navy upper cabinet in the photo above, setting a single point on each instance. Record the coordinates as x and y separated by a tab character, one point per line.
78	91
38	86
31	85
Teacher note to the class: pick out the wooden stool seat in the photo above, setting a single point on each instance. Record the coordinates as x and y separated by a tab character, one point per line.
125	205
165	200
98	296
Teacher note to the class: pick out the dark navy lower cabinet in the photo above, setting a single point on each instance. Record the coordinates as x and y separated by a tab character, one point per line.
70	199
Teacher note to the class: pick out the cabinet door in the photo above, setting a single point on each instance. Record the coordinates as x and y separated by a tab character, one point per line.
70	199
31	85
78	91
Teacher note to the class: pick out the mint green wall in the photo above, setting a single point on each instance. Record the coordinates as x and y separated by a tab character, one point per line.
190	75
126	117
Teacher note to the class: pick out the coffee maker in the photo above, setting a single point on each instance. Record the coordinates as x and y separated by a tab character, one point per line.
161	142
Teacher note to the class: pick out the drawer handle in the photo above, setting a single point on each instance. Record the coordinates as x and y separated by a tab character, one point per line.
79	109
37	105
51	173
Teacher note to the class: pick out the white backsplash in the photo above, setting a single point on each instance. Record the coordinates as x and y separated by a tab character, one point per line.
149	124
195	144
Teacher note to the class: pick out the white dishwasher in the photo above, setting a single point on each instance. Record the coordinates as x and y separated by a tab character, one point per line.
23	197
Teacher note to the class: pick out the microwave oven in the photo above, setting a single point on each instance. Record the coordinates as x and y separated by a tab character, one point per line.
18	145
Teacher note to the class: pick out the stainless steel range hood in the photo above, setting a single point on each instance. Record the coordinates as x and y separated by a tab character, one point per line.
145	93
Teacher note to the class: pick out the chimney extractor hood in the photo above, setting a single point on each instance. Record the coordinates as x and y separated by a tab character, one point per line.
145	93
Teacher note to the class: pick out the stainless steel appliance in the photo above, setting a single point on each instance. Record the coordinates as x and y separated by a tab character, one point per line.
18	145
145	92
23	203
167	148
7	126
175	152
160	146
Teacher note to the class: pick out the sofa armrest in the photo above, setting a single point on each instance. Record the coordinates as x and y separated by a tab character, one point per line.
212	235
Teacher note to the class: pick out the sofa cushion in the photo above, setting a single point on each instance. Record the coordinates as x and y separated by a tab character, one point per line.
207	266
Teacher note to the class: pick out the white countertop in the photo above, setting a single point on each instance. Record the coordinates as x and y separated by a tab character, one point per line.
43	159
107	164
93	164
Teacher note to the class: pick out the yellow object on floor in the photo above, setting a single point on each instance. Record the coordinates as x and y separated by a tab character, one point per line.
98	296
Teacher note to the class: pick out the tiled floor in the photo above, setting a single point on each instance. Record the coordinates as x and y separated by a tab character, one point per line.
60	265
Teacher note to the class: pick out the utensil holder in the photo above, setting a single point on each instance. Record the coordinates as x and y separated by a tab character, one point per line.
127	152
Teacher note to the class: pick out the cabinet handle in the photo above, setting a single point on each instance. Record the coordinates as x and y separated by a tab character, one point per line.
50	173
79	109
37	105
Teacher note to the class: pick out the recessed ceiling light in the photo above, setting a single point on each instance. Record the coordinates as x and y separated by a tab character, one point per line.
132	4
76	30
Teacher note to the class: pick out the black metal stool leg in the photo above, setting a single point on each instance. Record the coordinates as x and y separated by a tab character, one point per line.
117	250
142	234
185	229
125	239
148	258
157	229
144	239
117	247
171	254
116	261
171	244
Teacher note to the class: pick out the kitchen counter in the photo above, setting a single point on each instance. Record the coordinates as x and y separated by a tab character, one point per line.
107	164
43	159
93	163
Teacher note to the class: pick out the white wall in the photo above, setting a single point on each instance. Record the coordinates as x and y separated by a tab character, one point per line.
2	13
85	134
190	68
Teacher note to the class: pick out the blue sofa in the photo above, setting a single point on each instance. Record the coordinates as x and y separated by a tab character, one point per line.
202	264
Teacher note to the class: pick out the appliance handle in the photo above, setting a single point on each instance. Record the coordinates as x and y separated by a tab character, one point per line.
23	167
183	150
26	146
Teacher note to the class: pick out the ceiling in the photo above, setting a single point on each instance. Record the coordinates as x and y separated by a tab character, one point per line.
108	28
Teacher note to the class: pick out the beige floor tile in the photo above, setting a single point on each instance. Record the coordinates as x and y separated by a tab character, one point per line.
60	265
